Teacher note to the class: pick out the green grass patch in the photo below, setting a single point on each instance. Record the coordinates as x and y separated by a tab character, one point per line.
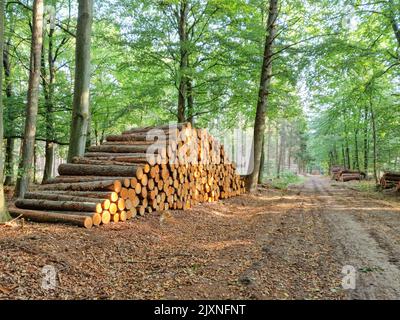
287	178
364	186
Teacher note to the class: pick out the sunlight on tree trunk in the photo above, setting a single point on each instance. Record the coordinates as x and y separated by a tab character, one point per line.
3	207
264	90
26	164
48	80
80	109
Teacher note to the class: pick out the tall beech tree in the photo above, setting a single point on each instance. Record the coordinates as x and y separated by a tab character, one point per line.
182	18
3	208
80	108
266	76
26	163
50	55
9	156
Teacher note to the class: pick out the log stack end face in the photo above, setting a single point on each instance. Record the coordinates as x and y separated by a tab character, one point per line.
120	180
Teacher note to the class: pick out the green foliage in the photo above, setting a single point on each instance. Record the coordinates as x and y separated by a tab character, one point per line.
286	179
336	65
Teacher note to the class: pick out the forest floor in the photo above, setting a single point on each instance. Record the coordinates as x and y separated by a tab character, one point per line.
270	245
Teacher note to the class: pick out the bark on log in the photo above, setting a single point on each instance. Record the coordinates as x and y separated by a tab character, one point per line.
52	217
125	149
77	179
178	126
83	186
38	204
131	141
350	177
95	162
89	194
60	197
99	170
387	184
126	157
114	156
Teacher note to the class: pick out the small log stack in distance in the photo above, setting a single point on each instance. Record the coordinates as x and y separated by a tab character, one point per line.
128	175
390	180
335	170
345	175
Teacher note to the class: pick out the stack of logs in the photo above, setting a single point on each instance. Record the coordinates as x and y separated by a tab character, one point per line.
335	170
119	180
345	175
390	180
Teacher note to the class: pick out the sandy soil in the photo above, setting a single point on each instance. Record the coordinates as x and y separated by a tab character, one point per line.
367	234
270	245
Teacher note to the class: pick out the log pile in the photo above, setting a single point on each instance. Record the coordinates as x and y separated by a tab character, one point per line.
133	174
345	175
390	180
335	170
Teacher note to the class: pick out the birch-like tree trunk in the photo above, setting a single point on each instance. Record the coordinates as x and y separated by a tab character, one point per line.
80	108
48	88
26	164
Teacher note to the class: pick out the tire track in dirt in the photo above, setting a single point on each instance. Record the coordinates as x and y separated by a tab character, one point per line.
296	258
359	243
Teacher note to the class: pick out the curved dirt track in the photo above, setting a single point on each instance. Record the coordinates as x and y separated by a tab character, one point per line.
367	236
268	245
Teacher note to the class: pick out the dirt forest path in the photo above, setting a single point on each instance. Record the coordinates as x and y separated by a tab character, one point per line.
270	245
367	236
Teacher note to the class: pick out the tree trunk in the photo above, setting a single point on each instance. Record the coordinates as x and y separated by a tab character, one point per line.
35	163
276	147
183	39
190	102
3	207
374	139
9	163
394	23
356	151
290	148
9	159
269	149
349	166
48	88
366	142
261	173
25	166
80	109
281	160
88	134
331	161
49	162
265	81
344	157
348	160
